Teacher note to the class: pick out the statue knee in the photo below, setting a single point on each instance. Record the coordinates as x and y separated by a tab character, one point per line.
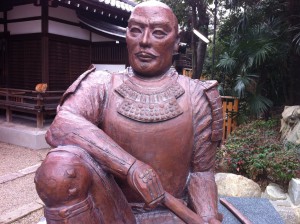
62	179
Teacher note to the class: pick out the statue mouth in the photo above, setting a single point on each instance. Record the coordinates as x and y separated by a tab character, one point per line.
145	56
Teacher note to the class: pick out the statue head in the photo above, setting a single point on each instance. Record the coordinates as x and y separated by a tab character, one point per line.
152	38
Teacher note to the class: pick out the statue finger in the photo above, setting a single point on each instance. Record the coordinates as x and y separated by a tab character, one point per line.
160	188
157	188
148	179
155	202
155	185
153	189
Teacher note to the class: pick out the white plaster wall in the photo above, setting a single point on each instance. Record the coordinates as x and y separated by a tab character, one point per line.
24	11
63	13
68	30
34	26
98	38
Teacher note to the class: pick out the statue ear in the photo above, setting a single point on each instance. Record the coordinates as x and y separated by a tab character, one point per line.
176	45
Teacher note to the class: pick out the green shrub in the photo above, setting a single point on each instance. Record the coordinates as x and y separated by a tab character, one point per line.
254	150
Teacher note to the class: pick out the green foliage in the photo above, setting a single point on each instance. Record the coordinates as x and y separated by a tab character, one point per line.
254	151
256	41
258	104
182	11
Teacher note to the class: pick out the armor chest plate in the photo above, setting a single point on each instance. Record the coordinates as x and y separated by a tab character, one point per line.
155	127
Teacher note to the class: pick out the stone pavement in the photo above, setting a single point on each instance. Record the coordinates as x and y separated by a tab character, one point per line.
19	200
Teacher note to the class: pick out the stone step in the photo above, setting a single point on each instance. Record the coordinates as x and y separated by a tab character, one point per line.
17	214
22	134
18	195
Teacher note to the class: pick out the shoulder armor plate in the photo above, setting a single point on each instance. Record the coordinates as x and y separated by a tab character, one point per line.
72	89
215	102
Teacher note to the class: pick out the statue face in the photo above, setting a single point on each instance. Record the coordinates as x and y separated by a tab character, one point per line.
151	40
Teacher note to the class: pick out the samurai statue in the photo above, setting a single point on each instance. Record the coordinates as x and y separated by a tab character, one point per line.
136	146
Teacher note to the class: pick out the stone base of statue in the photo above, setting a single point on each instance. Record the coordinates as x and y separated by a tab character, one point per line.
256	210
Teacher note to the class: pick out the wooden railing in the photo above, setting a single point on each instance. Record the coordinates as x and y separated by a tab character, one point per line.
43	104
230	108
187	72
29	102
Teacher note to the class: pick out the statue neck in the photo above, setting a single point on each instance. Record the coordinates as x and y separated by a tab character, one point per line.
151	81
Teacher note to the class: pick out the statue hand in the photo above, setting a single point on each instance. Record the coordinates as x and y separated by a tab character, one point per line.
214	221
145	180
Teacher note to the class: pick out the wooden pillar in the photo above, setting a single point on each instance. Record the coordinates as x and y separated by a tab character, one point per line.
5	53
90	47
45	56
5	21
45	41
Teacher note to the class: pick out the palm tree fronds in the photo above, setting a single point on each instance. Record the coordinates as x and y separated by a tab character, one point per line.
242	82
259	104
227	62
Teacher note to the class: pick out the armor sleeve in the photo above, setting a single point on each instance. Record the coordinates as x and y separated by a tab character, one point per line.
208	124
78	117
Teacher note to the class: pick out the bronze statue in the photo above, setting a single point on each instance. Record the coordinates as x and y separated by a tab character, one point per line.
136	146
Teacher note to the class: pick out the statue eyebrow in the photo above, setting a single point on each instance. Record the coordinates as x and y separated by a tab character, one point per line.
152	24
136	21
166	26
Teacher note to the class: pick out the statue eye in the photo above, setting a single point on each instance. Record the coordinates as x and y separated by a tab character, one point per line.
159	34
135	30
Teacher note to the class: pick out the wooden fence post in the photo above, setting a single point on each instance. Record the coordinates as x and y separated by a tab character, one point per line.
40	113
230	106
8	111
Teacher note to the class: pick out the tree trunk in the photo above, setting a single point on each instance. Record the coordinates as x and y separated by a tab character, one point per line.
201	52
193	42
202	46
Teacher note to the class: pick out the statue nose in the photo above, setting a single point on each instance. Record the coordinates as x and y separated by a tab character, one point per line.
145	41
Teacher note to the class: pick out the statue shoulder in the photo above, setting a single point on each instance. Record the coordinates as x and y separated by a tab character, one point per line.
198	87
211	92
89	78
206	84
209	87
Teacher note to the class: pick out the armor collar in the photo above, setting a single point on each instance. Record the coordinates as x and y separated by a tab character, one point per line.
150	101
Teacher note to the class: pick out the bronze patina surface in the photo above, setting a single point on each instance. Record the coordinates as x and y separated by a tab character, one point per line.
136	146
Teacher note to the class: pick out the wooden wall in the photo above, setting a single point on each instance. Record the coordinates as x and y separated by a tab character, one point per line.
109	53
24	62
68	58
53	53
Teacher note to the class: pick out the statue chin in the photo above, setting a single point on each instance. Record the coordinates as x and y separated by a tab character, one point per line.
144	70
149	69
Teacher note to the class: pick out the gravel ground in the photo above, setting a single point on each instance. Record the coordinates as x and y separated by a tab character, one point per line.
32	218
14	158
16	193
20	191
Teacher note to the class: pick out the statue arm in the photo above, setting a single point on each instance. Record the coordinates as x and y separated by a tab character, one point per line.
208	121
76	123
77	120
